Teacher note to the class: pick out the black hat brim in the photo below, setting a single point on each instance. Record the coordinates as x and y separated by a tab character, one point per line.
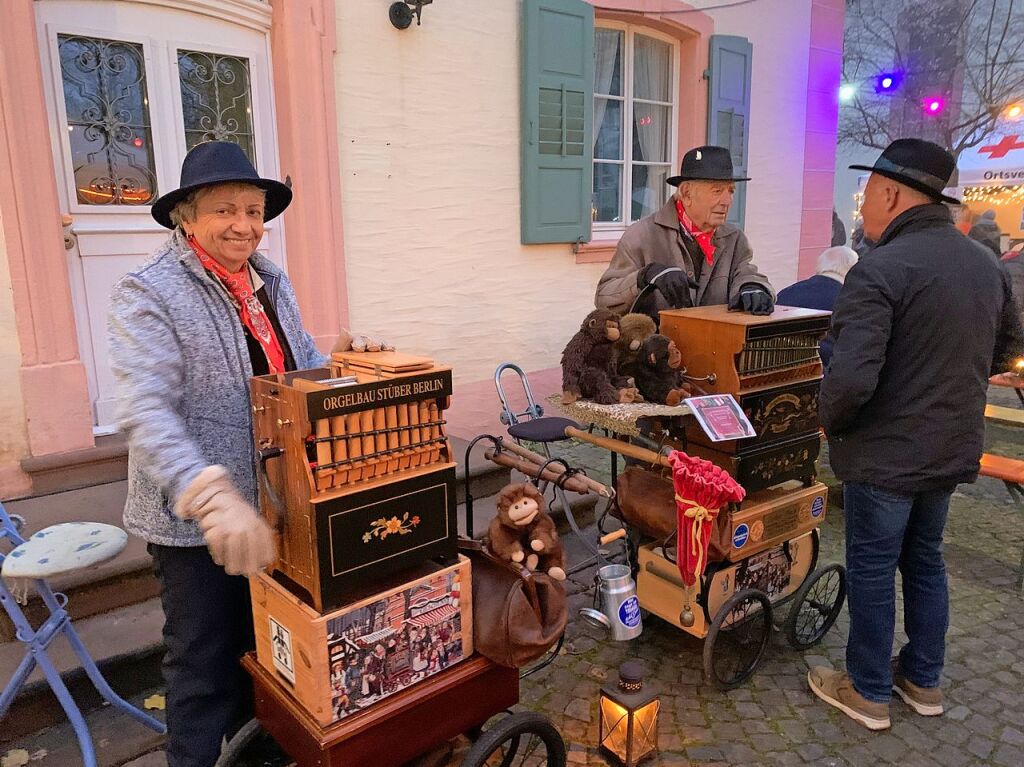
279	197
912	183
677	180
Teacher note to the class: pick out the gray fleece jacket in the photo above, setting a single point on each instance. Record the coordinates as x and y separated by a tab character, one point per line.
182	370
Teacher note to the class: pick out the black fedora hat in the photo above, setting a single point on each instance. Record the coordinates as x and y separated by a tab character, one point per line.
706	163
220	162
919	164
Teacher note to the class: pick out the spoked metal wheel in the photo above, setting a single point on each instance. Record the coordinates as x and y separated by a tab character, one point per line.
525	739
737	638
816	606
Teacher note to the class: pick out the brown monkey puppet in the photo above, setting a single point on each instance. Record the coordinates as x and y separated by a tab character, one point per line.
660	372
524	533
587	364
634	329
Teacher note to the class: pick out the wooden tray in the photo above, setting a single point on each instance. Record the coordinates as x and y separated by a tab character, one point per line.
387	362
397	729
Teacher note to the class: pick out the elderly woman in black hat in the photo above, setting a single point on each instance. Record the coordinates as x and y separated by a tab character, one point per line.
187	330
921	323
685	254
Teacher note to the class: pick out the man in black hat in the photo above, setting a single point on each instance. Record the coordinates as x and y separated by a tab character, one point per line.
921	323
685	254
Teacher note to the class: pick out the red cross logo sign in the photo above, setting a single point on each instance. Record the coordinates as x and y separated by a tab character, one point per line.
1003	148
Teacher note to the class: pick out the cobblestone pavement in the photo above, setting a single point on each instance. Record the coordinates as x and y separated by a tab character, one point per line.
773	719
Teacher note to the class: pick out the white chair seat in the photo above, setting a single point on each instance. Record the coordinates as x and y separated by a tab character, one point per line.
64	548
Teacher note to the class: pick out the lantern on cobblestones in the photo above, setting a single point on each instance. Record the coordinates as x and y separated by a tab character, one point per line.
628	717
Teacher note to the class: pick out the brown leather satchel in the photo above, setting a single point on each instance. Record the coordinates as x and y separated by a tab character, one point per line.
517	615
647	502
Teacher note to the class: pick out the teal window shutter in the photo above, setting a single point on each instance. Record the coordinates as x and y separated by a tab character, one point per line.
557	107
729	108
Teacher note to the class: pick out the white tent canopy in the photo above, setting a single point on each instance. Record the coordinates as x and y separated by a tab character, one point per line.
996	161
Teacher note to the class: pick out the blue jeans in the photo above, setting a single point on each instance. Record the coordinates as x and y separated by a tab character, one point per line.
886	530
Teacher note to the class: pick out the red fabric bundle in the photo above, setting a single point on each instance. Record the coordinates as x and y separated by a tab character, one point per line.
701	490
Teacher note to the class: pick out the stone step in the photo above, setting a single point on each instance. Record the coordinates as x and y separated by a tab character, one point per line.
126	644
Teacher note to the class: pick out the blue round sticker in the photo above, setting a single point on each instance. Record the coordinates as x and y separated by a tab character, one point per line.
740	535
629	613
817	506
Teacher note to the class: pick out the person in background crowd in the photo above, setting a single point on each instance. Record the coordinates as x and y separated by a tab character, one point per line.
987	232
821	290
861	245
962	218
920	325
838	230
1014	266
685	254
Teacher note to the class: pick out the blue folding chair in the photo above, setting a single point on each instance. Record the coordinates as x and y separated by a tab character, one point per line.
57	550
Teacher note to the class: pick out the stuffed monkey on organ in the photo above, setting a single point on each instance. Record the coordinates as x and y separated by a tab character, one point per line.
660	372
522	532
634	329
587	364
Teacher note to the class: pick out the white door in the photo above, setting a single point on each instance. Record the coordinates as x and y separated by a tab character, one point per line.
130	87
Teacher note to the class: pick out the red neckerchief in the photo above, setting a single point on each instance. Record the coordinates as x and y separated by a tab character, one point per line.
250	309
703	238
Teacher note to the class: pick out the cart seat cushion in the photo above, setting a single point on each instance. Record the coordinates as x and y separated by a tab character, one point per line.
1001	467
547	429
64	548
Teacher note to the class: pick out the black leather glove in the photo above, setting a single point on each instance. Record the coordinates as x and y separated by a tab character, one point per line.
753	299
673	282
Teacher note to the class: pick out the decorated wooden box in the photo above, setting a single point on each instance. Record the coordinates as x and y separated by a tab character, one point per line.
766	519
778	571
356	475
778	414
770	464
339	663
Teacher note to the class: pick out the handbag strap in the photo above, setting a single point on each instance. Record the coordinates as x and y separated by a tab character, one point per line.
476	548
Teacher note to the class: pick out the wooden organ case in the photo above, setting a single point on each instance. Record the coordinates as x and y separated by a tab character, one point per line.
356	473
770	364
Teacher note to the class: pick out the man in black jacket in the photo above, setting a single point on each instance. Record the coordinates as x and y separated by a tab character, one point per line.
920	325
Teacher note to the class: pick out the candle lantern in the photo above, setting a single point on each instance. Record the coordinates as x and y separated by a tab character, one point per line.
628	717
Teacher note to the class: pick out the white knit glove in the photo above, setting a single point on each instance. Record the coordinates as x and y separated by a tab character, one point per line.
239	539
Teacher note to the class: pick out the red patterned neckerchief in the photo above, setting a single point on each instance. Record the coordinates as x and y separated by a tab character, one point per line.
250	310
703	238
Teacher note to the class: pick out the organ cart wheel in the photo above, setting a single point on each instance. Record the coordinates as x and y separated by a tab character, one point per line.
816	605
525	739
737	639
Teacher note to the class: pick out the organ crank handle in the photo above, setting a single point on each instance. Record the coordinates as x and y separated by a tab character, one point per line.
276	507
604	540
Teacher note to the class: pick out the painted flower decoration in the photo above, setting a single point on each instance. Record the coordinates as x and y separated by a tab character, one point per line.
382	528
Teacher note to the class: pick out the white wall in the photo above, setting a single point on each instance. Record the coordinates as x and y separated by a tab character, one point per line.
429	140
780	31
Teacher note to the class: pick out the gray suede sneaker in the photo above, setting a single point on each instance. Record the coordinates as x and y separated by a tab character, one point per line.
927	701
836	689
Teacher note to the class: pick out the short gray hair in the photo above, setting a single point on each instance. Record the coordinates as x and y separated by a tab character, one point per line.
185	210
838	261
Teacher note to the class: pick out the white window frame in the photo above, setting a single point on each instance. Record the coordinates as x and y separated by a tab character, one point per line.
611	230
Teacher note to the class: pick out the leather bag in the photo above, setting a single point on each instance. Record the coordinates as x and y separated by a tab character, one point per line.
518	615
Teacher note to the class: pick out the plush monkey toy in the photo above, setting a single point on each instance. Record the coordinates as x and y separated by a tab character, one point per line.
524	533
587	364
634	329
660	372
